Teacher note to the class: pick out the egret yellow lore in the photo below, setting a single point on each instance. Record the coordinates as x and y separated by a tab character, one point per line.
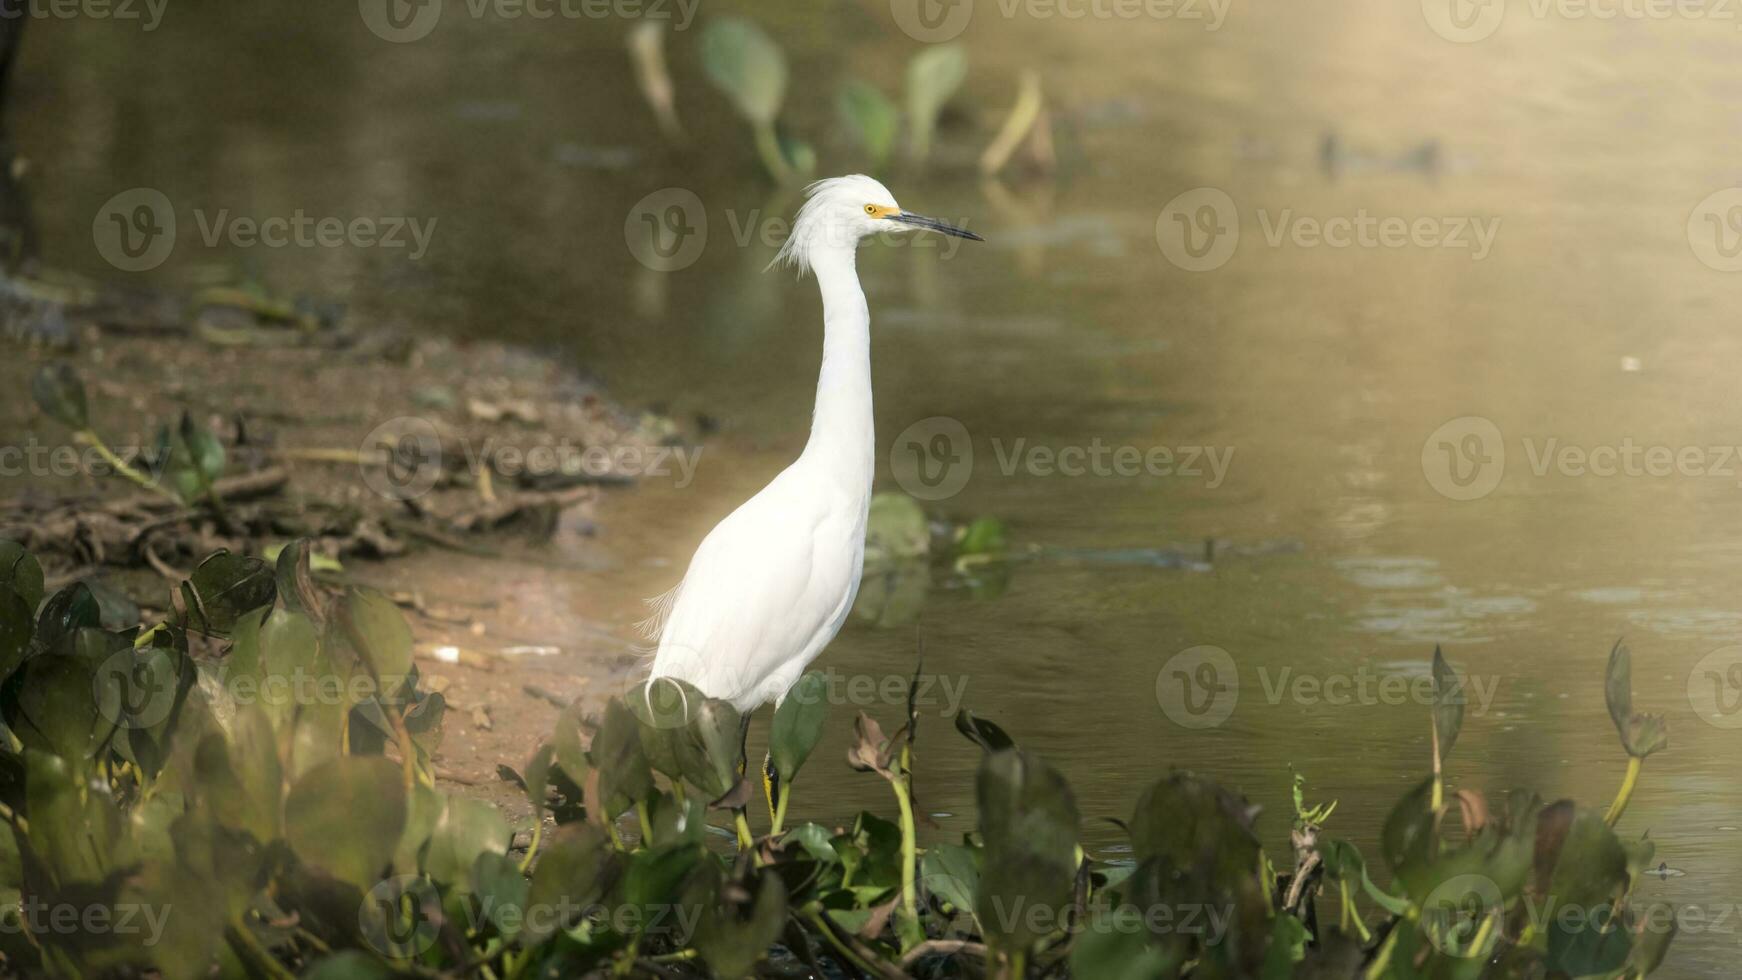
770	585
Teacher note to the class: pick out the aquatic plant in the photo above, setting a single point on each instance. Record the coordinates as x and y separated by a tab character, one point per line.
933	76
248	784
744	63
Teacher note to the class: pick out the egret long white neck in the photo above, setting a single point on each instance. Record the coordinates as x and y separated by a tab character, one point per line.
841	428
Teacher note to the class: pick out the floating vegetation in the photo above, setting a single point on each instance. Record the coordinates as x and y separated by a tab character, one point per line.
255	772
933	76
744	63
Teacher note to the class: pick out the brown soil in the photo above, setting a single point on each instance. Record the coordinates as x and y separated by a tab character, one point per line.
487	563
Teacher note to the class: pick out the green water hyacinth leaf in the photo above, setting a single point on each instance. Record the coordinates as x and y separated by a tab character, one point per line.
986	734
60	394
712	746
345	817
240	780
1029	822
985	536
572	872
895	528
744	62
295	579
1407	839
15	630
566	745
501	890
798	725
952	874
55	705
870	117
1448	704
223	587
933	76
538	778
204	449
71	609
1184	818
1641	734
379	634
20	572
1106	951
662	708
735	930
616	754
466	829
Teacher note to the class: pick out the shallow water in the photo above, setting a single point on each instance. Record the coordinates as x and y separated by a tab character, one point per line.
1324	377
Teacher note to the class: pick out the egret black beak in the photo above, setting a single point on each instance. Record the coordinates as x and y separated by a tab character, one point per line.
933	224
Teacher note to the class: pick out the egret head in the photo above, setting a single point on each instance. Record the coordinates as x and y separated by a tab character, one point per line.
840	212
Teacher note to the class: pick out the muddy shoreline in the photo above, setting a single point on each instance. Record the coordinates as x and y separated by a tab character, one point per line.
462	479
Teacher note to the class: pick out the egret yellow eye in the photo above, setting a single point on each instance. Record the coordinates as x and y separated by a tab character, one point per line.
871	209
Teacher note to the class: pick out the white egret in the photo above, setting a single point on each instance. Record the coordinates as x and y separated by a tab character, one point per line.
771	584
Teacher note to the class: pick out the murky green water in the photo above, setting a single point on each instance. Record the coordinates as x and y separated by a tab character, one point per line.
1321	376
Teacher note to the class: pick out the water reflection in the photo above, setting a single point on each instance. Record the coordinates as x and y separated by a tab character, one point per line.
1322	369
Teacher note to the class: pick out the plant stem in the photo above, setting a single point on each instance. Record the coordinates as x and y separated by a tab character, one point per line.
1383	960
248	947
532	845
646	823
1634	763
745	839
909	850
90	438
768	147
784	792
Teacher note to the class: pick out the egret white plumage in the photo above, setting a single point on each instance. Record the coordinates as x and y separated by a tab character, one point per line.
770	585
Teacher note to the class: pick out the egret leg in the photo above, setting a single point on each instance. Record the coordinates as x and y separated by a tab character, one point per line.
743	744
771	788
